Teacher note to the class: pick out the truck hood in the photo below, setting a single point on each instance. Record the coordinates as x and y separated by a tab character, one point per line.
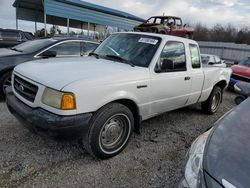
227	154
241	70
59	72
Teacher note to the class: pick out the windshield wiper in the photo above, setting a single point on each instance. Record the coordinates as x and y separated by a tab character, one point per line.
121	59
94	54
16	50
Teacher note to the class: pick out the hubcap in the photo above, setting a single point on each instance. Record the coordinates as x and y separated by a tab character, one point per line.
114	132
216	101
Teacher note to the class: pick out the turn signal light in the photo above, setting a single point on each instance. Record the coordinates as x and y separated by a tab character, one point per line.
68	102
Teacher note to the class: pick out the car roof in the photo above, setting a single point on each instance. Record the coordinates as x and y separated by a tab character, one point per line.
165	17
14	30
208	55
164	37
61	39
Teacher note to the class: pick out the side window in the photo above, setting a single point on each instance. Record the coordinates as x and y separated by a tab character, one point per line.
158	20
217	60
67	49
173	57
178	22
195	56
88	47
170	22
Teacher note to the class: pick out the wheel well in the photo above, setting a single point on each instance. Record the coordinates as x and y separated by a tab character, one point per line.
222	84
5	71
135	111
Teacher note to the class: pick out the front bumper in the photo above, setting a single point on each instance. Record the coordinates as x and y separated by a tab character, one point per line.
46	123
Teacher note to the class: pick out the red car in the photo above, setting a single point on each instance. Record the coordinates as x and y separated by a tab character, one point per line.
169	25
241	72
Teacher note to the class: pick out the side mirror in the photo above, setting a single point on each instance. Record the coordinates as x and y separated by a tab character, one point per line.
167	65
48	54
236	62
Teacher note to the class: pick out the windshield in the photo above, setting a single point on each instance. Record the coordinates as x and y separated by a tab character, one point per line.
245	62
204	59
133	48
32	46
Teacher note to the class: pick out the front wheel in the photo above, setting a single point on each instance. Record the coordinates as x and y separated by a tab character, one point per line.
110	130
5	81
211	105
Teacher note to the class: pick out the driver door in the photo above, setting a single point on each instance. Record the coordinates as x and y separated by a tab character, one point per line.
170	89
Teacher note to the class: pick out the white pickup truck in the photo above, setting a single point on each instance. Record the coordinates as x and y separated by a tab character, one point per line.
103	98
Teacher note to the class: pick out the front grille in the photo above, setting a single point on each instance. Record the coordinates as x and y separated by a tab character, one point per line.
24	88
240	78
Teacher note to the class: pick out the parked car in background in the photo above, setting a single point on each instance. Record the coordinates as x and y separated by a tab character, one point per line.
39	49
169	25
101	99
219	158
11	37
241	70
213	60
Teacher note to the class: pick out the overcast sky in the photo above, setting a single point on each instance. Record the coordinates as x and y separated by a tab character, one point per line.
208	12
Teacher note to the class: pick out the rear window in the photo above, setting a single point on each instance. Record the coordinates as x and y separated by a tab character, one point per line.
34	45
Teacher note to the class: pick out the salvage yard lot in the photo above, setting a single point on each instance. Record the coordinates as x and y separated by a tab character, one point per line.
152	159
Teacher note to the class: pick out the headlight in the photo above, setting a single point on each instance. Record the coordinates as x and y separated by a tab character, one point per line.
193	168
59	100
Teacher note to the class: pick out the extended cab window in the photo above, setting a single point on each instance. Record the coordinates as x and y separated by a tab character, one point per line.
195	56
173	56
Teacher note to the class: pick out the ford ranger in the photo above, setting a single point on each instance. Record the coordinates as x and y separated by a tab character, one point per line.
103	98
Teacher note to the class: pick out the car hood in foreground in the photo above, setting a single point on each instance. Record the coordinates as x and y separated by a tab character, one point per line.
241	70
227	154
60	72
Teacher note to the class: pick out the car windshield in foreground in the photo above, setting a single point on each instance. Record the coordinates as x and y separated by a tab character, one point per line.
133	49
32	46
245	62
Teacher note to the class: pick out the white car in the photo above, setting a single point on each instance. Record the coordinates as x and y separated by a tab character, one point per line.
103	98
212	60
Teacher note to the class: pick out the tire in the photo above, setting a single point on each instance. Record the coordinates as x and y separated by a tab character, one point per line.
5	81
109	132
211	105
239	99
163	32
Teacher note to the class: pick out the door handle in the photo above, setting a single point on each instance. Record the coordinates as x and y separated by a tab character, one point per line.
187	78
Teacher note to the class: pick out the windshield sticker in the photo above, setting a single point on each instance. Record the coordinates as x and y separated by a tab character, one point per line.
148	41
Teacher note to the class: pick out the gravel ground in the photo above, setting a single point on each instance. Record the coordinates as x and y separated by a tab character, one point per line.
151	159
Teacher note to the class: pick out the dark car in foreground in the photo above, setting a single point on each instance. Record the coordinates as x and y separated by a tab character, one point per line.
169	25
12	37
220	158
38	49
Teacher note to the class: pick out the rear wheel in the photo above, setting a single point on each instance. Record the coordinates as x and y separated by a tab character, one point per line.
211	105
110	130
5	81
